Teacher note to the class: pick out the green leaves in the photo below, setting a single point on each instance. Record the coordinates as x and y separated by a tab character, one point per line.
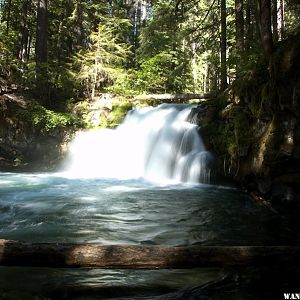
129	47
101	64
166	71
47	120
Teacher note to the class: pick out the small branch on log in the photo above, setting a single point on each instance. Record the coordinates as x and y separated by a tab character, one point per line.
262	201
173	97
17	253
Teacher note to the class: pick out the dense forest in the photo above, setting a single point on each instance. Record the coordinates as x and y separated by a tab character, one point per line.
70	49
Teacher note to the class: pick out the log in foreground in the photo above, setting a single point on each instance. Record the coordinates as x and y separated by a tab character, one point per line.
17	253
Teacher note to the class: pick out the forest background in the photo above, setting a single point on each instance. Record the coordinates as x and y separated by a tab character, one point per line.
61	50
67	65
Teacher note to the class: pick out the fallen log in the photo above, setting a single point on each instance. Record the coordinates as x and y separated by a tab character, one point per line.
17	253
173	97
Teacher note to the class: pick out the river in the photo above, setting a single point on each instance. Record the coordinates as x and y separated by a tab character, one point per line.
145	183
44	207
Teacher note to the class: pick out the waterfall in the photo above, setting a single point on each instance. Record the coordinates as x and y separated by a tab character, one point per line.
155	143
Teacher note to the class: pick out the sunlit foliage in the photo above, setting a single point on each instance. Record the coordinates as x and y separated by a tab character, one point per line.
131	47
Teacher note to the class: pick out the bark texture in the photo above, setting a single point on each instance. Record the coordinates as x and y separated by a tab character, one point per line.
41	32
223	46
41	53
265	26
16	253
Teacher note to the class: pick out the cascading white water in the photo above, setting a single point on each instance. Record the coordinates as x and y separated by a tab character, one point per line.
157	144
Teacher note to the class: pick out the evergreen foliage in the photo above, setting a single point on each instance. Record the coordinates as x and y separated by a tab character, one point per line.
101	64
72	49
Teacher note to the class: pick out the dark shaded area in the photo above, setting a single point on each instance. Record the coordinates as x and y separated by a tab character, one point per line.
229	284
253	127
31	137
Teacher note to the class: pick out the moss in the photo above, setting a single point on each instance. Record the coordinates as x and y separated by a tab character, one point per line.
264	145
18	161
285	60
232	135
241	125
250	133
101	113
80	108
255	106
118	113
247	85
263	101
104	122
220	137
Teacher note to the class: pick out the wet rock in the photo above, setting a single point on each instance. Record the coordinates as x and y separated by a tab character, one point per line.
23	146
283	193
259	128
228	111
202	115
288	178
264	185
243	150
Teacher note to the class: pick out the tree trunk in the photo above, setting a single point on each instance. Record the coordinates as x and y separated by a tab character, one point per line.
223	46
111	8
79	24
239	32
282	25
24	33
205	89
173	97
248	25
8	16
16	253
264	22
41	51
69	39
194	66
137	12
143	11
275	21
41	32
28	47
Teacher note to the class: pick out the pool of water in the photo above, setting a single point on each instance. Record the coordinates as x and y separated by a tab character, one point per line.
55	208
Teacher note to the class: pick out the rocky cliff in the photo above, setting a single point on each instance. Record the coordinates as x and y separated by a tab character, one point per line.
31	137
254	127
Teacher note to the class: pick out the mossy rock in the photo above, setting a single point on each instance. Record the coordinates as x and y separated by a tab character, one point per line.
249	84
118	113
46	120
285	61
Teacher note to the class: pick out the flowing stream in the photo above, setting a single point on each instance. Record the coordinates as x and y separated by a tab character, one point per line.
138	184
158	144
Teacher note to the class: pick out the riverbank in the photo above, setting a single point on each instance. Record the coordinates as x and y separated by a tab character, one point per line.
32	138
254	127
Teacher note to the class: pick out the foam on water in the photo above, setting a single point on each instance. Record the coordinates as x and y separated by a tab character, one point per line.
155	143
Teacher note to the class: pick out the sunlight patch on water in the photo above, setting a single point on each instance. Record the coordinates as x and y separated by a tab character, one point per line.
89	198
6	182
122	188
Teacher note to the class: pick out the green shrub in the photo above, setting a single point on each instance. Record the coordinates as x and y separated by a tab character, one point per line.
47	120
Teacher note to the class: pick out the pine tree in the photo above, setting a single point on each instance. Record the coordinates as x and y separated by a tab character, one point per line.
101	63
41	52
